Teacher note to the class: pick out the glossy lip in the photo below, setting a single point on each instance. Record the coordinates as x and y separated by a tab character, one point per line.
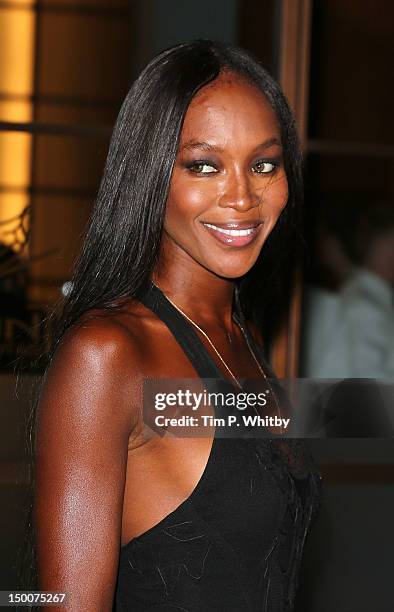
235	224
235	241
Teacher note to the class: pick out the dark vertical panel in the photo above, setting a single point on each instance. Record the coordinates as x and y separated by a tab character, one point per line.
257	30
351	71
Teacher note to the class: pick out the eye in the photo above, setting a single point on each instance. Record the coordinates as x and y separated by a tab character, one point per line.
201	166
265	167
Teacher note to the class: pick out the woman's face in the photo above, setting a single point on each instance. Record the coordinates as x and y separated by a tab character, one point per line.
228	185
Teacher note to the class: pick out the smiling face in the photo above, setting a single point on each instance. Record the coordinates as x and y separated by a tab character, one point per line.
228	185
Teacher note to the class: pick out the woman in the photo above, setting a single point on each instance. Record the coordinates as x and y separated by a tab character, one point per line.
202	166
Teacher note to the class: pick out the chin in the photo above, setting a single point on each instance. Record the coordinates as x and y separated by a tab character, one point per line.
232	271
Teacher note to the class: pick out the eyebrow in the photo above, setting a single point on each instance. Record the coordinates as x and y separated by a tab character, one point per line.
206	146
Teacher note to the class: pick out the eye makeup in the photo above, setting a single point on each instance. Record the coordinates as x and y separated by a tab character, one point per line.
272	163
201	163
265	165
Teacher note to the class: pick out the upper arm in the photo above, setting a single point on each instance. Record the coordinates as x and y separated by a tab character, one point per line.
85	416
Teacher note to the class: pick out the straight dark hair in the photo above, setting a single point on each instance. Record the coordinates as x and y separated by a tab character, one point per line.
122	242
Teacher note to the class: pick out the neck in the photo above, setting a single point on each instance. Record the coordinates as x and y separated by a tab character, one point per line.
206	298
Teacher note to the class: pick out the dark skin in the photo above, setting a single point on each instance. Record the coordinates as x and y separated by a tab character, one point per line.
100	480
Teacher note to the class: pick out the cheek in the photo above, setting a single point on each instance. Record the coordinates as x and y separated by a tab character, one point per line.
276	195
186	201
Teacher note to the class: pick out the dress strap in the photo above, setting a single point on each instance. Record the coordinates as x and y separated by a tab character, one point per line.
155	300
239	318
182	330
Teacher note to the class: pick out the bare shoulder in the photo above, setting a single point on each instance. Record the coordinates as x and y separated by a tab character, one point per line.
97	370
110	338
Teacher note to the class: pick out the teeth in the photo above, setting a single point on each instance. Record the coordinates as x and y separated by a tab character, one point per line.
245	232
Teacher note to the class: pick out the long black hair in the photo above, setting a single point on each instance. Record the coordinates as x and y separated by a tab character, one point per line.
122	241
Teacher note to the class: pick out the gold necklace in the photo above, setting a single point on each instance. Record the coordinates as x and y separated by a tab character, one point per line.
219	355
205	336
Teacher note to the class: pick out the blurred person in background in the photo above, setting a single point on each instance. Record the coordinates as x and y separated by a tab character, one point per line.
350	332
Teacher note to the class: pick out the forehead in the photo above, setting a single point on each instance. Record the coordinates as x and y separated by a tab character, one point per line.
230	108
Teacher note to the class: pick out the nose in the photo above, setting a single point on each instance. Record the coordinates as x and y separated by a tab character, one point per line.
239	192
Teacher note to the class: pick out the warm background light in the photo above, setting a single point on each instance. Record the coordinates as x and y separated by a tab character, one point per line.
17	34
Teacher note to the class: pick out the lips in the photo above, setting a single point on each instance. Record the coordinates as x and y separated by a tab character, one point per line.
234	233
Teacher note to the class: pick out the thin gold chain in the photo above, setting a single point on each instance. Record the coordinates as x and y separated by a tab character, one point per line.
217	352
205	336
263	373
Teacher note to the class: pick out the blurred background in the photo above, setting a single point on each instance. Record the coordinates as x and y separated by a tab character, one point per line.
65	66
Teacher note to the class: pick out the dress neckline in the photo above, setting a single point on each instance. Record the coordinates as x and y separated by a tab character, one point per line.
186	336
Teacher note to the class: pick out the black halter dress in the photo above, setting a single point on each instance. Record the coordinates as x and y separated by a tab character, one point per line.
235	544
